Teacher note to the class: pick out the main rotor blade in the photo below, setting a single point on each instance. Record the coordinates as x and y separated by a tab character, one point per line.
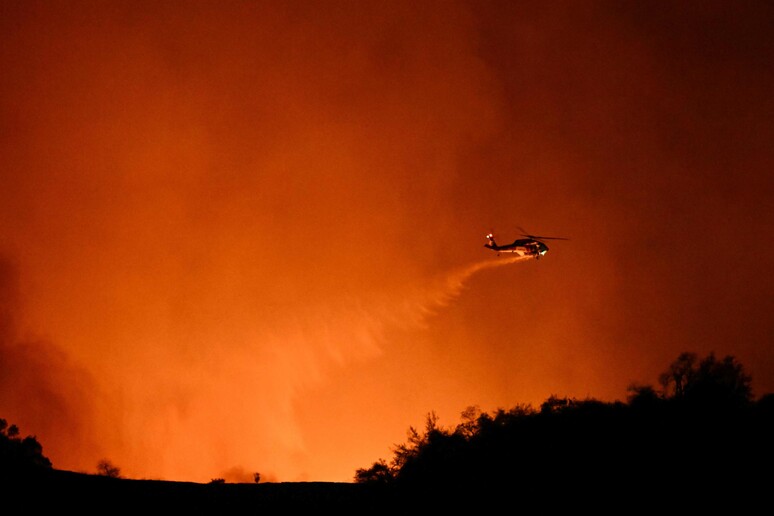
535	237
547	238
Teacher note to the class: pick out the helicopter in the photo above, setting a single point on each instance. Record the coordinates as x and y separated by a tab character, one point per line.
531	246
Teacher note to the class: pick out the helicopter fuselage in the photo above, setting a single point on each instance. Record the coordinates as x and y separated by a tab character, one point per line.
522	247
532	246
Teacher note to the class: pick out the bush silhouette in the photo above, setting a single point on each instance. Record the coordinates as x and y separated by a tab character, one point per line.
703	427
20	454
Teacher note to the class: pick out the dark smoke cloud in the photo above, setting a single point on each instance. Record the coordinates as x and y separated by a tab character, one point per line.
41	390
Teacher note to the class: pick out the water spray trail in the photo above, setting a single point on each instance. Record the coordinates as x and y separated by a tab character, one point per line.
456	280
423	302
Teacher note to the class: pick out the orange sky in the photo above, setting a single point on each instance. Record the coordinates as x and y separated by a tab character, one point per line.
242	237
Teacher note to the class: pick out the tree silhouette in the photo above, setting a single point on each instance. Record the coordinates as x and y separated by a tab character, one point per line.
107	469
707	383
720	382
679	373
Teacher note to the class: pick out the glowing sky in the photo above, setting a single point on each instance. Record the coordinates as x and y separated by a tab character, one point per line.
243	237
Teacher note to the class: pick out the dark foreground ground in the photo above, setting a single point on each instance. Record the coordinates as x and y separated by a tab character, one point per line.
57	490
63	492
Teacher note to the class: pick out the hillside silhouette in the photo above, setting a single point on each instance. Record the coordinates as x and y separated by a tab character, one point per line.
699	441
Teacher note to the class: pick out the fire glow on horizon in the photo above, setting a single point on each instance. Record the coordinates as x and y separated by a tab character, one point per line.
216	403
